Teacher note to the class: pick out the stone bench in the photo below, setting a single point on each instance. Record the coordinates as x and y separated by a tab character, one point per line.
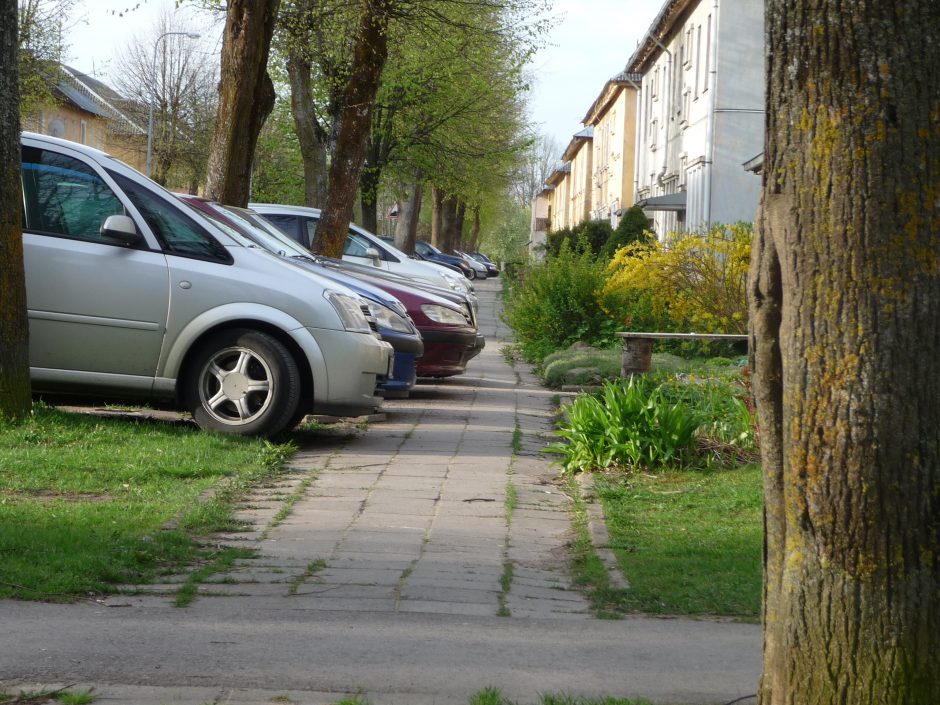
638	347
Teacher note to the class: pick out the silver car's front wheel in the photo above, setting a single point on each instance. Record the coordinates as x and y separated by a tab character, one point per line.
243	382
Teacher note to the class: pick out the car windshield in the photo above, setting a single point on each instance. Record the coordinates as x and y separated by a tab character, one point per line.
275	242
431	247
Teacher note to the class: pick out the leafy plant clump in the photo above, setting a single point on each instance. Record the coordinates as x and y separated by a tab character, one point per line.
655	422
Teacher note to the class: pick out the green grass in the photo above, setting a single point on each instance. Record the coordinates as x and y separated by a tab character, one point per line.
88	504
587	569
689	542
492	696
37	697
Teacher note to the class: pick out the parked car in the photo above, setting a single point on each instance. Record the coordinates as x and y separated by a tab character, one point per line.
392	321
478	267
427	251
300	223
445	319
131	294
491	269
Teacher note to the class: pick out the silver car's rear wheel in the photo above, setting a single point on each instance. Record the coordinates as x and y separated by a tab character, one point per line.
243	382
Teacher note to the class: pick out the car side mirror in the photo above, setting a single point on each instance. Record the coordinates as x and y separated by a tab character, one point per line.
374	255
121	229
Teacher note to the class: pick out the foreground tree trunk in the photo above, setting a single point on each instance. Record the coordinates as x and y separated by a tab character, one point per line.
15	397
845	327
312	137
358	101
246	98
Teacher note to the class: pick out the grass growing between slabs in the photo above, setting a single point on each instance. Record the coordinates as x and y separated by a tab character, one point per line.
85	502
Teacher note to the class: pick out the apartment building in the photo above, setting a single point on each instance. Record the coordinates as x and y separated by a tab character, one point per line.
700	113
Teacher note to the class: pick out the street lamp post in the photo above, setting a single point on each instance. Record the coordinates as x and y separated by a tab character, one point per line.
153	89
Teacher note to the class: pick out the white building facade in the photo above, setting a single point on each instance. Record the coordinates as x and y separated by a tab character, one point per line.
700	113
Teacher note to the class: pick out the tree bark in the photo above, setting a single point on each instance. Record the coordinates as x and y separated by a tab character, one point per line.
368	195
845	327
456	232
437	215
311	136
358	100
474	238
15	393
246	98
406	230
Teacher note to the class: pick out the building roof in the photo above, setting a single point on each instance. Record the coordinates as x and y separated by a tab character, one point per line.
93	96
672	11
558	174
579	138
609	94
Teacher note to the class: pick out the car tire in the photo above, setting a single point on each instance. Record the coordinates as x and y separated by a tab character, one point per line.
472	274
243	382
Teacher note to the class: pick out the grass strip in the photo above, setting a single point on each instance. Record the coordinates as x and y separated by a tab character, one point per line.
89	504
689	542
222	561
587	569
493	696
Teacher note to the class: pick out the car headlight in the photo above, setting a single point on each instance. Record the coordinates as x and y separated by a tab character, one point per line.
442	314
387	318
349	311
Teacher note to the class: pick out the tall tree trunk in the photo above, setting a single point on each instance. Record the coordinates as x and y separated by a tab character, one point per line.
456	234
311	136
406	230
448	210
437	215
246	98
14	326
845	326
473	238
358	100
368	195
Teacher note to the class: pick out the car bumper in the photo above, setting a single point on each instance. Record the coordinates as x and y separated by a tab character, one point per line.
353	362
446	353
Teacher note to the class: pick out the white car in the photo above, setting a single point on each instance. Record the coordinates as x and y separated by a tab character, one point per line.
130	293
362	247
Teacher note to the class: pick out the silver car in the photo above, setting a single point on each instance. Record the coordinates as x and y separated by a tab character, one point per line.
131	294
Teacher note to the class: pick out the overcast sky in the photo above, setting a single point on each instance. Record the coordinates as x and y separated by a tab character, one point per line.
590	42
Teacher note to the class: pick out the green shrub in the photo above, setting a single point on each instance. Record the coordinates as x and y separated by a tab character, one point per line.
634	227
557	365
553	304
590	236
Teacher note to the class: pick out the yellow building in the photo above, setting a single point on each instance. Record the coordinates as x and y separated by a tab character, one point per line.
613	119
580	156
559	204
90	113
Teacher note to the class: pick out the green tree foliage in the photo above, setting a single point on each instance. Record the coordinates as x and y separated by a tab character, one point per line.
41	25
278	175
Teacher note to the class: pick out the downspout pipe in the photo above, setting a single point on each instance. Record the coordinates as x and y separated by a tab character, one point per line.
710	121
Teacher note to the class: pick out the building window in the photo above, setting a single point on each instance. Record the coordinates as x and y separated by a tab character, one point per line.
698	44
84	130
689	48
654	131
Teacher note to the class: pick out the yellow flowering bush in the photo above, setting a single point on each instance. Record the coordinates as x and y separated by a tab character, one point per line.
696	280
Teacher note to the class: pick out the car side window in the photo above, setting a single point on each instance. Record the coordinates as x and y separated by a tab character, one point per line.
177	232
64	196
356	245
